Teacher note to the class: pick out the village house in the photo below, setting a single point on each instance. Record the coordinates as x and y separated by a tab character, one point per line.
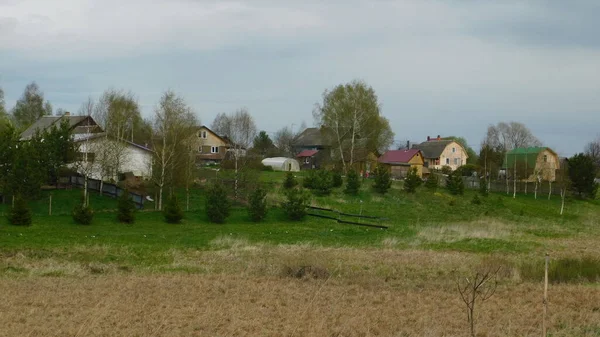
311	148
96	152
438	152
212	148
398	162
532	163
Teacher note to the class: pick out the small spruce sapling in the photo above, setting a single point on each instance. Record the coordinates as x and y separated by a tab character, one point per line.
295	204
82	213
217	204
126	208
20	214
412	180
257	205
289	181
173	212
352	183
432	182
383	182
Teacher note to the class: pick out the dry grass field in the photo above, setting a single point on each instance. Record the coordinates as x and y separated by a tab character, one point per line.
243	289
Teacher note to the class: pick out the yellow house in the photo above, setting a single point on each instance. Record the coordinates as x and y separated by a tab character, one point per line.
211	146
438	152
400	161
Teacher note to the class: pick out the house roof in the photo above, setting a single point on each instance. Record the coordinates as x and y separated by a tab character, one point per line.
311	137
307	153
398	156
45	122
83	137
526	155
433	148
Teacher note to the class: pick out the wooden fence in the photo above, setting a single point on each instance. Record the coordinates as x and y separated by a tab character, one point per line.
500	186
108	189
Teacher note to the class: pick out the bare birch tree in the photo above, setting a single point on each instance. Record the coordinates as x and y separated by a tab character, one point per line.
174	123
592	149
284	141
351	113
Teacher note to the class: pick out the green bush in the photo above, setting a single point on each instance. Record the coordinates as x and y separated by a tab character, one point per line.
352	183
217	204
432	182
289	181
412	180
383	182
322	182
483	187
337	180
476	200
20	214
83	214
455	184
467	170
125	208
295	204
257	205
309	178
446	169
173	212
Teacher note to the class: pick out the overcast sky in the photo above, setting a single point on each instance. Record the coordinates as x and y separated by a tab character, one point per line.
438	67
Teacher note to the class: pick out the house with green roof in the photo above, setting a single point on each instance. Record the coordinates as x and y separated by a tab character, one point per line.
532	163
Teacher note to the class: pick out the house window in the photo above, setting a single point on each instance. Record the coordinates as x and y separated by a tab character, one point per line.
200	148
453	150
306	160
455	161
214	149
447	161
545	158
204	135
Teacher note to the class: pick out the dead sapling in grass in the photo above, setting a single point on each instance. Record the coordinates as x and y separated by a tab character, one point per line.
477	288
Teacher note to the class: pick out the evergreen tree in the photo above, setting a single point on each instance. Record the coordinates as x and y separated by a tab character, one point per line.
483	187
352	183
582	172
125	208
217	203
383	182
173	212
432	182
289	181
257	205
82	213
309	179
295	205
476	199
20	214
455	184
412	180
322	182
337	180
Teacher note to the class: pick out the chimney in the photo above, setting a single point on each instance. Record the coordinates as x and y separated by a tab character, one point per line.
439	138
428	138
408	144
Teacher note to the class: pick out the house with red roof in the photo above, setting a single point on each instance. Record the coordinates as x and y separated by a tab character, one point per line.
308	159
399	162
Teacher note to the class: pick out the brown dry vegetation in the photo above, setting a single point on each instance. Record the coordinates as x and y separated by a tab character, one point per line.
243	289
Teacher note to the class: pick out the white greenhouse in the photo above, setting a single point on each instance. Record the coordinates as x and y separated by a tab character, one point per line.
282	164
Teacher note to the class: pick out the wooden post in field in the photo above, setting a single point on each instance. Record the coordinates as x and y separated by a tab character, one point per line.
50	204
544	327
13	200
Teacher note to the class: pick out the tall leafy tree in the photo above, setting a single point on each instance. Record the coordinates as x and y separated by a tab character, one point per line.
31	106
582	172
351	115
262	143
3	113
592	149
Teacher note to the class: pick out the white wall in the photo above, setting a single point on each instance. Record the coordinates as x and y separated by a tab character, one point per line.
133	159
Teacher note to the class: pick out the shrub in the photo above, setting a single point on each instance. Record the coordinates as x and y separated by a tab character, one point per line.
217	204
455	184
336	178
83	214
467	170
382	179
476	200
432	182
289	181
412	180
257	205
20	214
295	205
446	169
125	208
483	187
173	212
322	182
308	180
352	183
